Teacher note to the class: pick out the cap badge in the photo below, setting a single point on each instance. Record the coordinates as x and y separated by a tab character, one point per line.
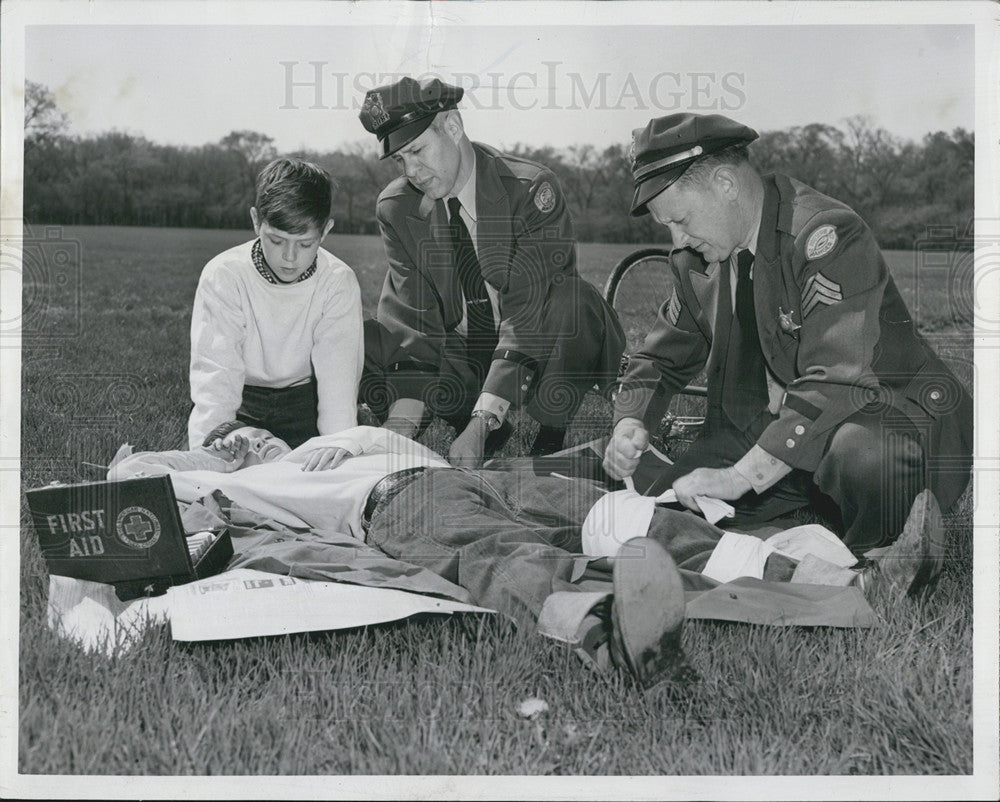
821	242
630	155
375	109
545	198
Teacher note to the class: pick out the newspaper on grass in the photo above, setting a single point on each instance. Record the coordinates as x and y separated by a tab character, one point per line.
245	603
91	615
242	603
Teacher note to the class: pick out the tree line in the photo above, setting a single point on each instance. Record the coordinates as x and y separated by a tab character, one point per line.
904	189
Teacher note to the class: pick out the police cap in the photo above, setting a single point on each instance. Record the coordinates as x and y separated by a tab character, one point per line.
400	112
667	146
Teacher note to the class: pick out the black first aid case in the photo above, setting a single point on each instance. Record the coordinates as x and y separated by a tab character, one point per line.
128	534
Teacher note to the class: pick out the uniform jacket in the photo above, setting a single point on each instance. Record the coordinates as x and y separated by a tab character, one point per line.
832	325
524	242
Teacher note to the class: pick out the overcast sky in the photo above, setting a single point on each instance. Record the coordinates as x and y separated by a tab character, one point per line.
541	85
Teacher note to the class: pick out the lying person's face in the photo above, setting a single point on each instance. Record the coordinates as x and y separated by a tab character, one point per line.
264	446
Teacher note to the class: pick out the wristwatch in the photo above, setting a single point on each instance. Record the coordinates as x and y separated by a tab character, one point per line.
492	421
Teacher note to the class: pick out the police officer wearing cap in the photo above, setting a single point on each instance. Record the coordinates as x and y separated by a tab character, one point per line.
482	307
819	386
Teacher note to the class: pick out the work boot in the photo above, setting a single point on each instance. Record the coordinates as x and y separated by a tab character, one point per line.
647	615
912	564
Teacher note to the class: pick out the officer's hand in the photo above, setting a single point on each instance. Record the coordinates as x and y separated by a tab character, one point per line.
467	450
628	441
721	483
402	426
324	459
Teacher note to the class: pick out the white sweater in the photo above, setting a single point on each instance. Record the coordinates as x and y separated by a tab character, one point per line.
245	330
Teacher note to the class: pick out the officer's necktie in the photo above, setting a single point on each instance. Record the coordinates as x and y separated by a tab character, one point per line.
744	395
482	332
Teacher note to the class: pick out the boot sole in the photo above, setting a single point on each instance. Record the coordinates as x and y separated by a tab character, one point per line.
649	611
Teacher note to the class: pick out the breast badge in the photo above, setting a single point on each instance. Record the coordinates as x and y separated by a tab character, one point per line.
786	320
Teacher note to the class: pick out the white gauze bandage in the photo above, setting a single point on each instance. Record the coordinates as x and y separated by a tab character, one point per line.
614	520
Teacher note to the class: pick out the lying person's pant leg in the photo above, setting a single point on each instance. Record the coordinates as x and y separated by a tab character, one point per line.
688	538
510	540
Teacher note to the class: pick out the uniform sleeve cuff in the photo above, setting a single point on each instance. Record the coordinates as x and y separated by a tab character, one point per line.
760	469
494	404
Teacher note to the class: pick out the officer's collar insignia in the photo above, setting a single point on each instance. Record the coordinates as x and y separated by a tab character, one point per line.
545	198
821	242
786	320
375	109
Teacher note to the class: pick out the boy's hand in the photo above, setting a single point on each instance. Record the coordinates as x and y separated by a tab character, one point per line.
325	459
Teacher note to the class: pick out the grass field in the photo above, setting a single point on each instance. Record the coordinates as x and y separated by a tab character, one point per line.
105	362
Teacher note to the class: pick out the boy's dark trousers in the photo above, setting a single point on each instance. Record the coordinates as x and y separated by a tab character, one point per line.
287	412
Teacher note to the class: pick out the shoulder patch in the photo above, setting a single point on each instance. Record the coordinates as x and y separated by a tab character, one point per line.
821	242
545	198
820	290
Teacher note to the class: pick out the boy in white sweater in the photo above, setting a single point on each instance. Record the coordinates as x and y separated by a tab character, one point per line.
276	334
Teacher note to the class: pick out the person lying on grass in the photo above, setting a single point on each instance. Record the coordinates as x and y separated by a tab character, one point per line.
512	540
276	334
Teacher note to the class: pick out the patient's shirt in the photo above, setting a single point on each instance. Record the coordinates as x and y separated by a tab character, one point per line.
331	499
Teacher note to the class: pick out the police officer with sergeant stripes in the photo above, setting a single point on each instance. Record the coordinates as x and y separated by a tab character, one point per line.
820	387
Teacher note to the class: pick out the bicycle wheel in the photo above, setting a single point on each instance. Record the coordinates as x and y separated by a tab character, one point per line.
636	289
